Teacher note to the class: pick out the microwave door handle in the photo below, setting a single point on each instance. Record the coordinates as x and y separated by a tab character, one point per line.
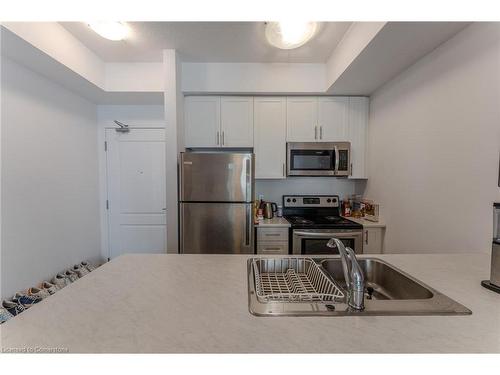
336	149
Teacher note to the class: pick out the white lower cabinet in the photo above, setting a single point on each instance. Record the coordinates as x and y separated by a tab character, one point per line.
373	240
272	241
270	137
272	248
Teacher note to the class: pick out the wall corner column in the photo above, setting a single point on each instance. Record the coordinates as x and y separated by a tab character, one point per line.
173	104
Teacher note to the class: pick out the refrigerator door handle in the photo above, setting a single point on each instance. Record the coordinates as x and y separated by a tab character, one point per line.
248	227
248	180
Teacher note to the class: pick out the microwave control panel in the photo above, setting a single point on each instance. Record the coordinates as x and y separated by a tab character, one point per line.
343	160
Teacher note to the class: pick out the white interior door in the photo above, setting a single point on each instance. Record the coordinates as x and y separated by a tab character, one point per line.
136	191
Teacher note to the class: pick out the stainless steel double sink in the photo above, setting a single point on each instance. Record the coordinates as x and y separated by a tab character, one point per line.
388	291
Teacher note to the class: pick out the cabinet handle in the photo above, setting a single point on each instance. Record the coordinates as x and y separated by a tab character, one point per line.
366	237
217	138
315	132
321	132
284	172
272	234
272	248
223	138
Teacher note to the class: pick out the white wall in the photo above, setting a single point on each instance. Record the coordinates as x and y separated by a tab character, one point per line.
273	190
57	42
356	38
50	217
253	78
433	147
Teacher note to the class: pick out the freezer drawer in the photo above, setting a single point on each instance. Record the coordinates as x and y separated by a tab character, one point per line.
216	228
216	177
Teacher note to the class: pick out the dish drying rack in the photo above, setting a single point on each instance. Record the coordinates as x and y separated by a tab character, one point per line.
293	280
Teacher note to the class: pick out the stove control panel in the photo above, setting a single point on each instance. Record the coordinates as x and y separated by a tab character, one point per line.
305	201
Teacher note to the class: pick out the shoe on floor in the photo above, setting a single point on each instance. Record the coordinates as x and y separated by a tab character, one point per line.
25	299
13	307
38	292
90	267
49	287
5	315
60	280
80	270
72	276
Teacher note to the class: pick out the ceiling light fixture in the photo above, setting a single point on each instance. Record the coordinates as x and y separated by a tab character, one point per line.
290	34
110	30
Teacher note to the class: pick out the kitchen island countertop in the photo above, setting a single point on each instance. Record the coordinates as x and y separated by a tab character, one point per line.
198	303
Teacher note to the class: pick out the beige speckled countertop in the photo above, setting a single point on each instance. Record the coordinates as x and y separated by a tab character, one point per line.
274	222
367	223
198	303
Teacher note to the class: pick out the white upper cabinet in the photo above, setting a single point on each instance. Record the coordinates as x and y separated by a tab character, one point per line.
202	121
358	123
302	119
236	121
333	119
214	121
270	137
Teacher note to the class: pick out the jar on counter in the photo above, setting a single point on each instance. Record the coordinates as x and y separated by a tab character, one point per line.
279	211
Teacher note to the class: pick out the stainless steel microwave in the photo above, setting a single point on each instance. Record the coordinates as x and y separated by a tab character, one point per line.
319	159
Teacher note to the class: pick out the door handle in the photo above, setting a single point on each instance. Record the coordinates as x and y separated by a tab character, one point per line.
248	180
321	132
366	237
284	173
217	138
315	132
247	225
223	139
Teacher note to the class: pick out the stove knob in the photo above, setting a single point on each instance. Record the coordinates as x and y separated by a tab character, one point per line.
328	200
294	200
288	200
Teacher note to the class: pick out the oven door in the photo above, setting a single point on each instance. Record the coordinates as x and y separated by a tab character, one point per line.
313	241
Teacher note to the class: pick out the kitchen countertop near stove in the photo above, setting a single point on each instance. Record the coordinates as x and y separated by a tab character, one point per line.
367	223
275	222
199	303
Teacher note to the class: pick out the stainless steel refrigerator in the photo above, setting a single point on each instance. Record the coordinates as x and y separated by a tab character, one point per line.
216	198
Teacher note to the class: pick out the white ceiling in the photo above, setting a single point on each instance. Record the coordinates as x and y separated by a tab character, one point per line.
207	42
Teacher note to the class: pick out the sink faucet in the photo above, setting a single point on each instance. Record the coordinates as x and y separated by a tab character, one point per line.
353	274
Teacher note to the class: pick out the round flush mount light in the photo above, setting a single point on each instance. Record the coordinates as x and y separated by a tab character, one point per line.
290	34
110	30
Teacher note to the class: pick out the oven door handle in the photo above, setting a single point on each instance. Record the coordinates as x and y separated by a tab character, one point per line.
323	234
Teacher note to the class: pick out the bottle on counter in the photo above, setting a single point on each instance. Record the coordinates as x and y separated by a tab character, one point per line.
346	208
279	211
